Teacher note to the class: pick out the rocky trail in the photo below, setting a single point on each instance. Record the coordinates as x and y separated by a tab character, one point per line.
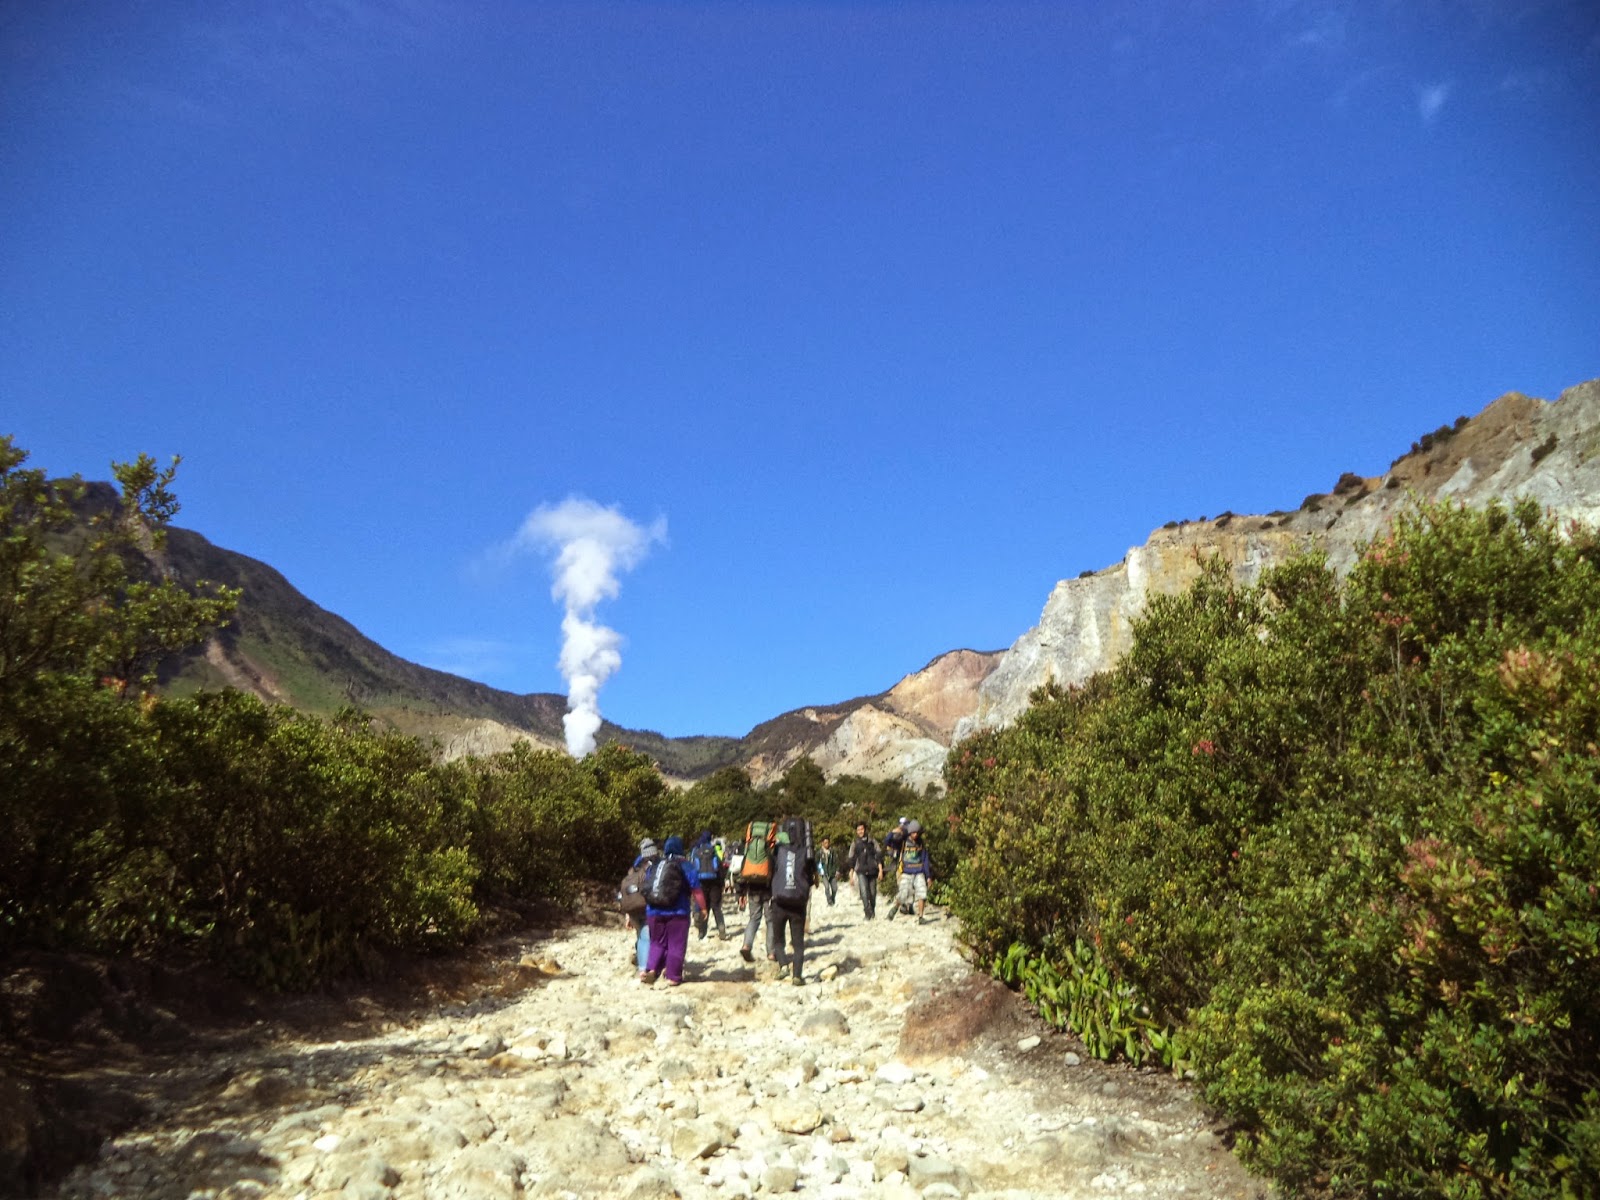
896	1071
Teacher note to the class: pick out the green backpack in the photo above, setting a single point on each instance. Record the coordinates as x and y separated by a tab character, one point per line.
757	853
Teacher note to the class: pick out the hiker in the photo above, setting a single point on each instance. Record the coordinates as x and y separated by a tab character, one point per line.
916	872
828	870
865	864
755	886
631	897
711	867
893	841
673	889
794	872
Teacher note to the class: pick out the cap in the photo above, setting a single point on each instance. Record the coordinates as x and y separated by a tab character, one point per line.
902	820
914	827
648	846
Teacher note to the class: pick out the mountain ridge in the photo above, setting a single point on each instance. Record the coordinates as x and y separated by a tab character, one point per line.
284	647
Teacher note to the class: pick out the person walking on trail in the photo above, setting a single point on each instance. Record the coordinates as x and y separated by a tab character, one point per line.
864	864
893	842
755	882
794	873
916	872
673	889
828	870
709	863
635	916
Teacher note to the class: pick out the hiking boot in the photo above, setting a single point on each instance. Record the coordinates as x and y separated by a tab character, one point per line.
674	983
893	913
797	980
648	978
744	953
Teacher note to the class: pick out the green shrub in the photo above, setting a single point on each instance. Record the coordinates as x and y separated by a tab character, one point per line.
1341	839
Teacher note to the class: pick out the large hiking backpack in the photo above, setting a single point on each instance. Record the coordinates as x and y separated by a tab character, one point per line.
705	862
796	831
757	867
791	883
631	894
665	885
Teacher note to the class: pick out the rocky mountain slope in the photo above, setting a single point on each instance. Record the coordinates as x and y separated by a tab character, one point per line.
287	649
1517	446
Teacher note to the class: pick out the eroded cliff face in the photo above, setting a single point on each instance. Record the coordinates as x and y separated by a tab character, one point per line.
902	734
1518	446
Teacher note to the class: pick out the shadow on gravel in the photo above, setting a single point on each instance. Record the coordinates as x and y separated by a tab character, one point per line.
91	1045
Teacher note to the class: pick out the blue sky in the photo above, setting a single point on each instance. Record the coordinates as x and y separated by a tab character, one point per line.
894	313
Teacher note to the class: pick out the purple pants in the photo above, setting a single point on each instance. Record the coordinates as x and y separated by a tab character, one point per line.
669	942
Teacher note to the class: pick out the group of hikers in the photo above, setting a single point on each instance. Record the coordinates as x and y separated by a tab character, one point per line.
774	870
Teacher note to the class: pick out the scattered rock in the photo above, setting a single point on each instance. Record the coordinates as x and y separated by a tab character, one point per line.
825	1023
797	1116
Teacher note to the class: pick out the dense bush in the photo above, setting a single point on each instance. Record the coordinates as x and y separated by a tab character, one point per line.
1342	839
286	847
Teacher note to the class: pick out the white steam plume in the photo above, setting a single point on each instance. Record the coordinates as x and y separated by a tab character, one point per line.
592	546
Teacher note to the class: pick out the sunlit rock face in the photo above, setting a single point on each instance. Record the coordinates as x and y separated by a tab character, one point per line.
1517	446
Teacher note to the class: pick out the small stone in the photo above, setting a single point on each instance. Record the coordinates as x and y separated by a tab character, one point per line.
825	1023
908	1101
895	1072
328	1143
840	1133
695	1139
650	1183
780	1179
797	1116
889	1160
673	1070
1029	1043
1071	1059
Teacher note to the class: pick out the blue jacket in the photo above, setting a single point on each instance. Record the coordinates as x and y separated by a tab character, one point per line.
692	884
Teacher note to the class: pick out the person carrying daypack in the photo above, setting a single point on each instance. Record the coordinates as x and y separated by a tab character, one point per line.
865	864
916	872
708	864
631	897
794	871
672	892
755	883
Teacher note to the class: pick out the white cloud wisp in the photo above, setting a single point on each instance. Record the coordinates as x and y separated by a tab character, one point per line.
592	547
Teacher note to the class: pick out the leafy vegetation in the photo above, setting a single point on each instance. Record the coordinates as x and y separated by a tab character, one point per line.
290	847
1334	846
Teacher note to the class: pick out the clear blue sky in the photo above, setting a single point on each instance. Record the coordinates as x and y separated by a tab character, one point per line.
896	313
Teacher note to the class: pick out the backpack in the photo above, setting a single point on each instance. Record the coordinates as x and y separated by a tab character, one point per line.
665	885
791	885
867	857
705	863
757	867
631	893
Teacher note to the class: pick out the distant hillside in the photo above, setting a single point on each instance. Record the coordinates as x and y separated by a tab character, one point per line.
287	649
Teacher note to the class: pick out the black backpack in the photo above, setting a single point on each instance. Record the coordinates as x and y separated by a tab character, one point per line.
791	881
665	884
705	863
866	857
